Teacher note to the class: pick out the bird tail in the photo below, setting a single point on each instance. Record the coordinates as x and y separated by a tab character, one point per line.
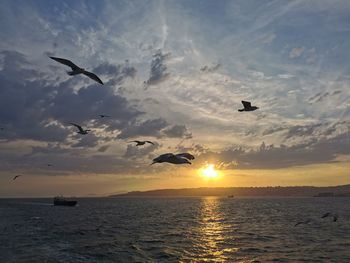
241	110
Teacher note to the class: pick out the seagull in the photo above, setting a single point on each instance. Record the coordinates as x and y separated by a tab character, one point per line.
181	158
185	155
81	130
49	165
77	70
303	222
139	143
335	217
104	116
14	178
248	106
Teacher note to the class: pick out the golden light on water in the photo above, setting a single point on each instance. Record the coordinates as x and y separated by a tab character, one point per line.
209	172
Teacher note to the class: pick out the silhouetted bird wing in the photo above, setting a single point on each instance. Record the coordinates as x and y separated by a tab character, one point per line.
14	178
78	126
326	215
299	223
150	142
186	155
135	141
93	76
246	104
66	62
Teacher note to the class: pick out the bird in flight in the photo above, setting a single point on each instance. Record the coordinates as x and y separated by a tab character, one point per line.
328	214
248	106
181	158
14	178
139	143
80	129
77	70
103	116
49	165
303	222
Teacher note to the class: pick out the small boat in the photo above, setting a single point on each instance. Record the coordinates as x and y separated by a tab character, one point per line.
59	200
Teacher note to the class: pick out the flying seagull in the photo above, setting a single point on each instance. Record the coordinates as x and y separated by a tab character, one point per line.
14	178
248	106
77	70
81	130
139	143
104	116
303	222
181	158
49	165
328	214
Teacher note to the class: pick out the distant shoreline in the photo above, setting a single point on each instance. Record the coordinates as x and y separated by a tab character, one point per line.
287	191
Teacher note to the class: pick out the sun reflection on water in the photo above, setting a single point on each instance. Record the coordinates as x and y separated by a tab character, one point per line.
211	239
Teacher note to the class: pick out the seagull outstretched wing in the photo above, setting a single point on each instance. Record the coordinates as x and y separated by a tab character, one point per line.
150	142
78	126
14	178
326	215
246	104
93	76
66	62
186	155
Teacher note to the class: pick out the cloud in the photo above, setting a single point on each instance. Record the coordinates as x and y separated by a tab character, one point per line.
177	131
211	68
157	128
158	72
272	157
321	96
296	52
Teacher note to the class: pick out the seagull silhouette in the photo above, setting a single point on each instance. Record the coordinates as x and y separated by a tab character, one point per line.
80	129
303	222
14	178
104	116
139	143
181	158
248	106
328	214
49	165
77	70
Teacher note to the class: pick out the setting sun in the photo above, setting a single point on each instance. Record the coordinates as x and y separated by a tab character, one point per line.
209	172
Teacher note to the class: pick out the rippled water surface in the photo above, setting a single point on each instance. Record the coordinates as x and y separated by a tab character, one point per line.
175	230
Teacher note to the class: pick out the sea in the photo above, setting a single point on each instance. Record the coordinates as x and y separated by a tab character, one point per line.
198	229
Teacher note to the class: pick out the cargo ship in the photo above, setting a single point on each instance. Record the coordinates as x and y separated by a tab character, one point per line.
59	200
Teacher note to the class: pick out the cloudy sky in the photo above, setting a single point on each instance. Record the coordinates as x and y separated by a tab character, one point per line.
175	73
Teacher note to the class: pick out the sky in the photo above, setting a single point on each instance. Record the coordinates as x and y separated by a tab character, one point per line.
175	73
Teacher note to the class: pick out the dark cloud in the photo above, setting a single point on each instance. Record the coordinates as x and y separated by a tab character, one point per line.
272	157
158	71
146	128
87	141
133	151
177	131
211	68
319	97
35	107
157	128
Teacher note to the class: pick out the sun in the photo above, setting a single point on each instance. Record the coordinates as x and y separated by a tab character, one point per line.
209	172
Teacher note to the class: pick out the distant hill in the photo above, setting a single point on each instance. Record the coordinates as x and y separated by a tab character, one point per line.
343	190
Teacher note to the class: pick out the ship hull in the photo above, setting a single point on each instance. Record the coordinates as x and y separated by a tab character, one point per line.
64	203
